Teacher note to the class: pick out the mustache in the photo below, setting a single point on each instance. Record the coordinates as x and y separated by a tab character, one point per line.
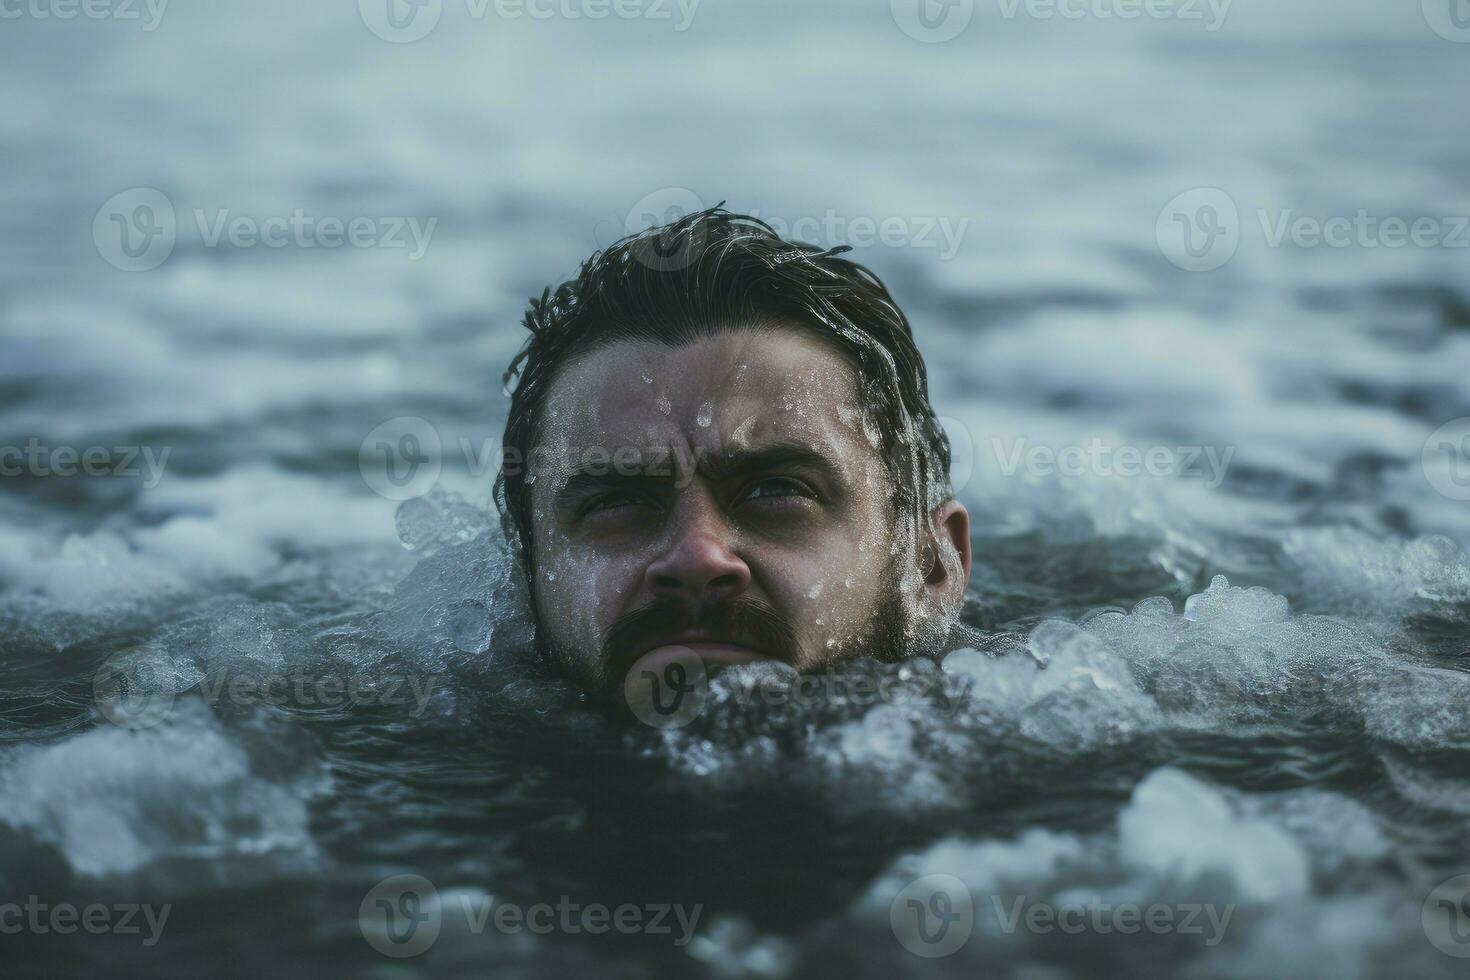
742	619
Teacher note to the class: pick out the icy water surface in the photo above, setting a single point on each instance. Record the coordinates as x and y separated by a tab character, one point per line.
1231	693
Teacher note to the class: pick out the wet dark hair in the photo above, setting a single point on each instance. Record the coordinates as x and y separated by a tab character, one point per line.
716	270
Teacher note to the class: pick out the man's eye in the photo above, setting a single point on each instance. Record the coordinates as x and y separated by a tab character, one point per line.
777	487
607	501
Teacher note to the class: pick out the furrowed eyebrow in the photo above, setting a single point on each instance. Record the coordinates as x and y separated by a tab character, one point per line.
772	456
602	477
663	470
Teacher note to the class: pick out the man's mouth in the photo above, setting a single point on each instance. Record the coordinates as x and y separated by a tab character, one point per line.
710	649
740	631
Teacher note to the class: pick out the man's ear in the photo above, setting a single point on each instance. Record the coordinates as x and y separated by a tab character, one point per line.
948	571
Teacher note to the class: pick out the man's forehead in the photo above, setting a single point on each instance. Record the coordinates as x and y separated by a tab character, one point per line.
736	386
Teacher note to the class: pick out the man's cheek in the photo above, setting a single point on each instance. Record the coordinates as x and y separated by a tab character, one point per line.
579	595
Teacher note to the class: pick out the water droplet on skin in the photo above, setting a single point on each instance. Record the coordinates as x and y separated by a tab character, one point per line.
664	405
706	415
743	430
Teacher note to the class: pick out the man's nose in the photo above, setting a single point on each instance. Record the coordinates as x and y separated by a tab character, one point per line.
699	565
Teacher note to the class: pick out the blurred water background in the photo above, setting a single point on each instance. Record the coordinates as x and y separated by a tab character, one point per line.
1081	216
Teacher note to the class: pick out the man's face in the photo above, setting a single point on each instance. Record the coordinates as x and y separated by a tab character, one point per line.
724	496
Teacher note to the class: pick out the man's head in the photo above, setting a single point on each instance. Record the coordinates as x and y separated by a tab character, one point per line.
721	440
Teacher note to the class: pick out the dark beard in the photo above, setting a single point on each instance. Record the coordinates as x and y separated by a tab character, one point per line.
886	636
744	620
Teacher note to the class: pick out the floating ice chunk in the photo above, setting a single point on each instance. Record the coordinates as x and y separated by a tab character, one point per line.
1073	692
1356	935
884	732
966	662
1335	831
437	520
1181	828
95	571
113	801
731	947
1237	656
1420	707
1224	605
464	598
470	626
986	867
1348	568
